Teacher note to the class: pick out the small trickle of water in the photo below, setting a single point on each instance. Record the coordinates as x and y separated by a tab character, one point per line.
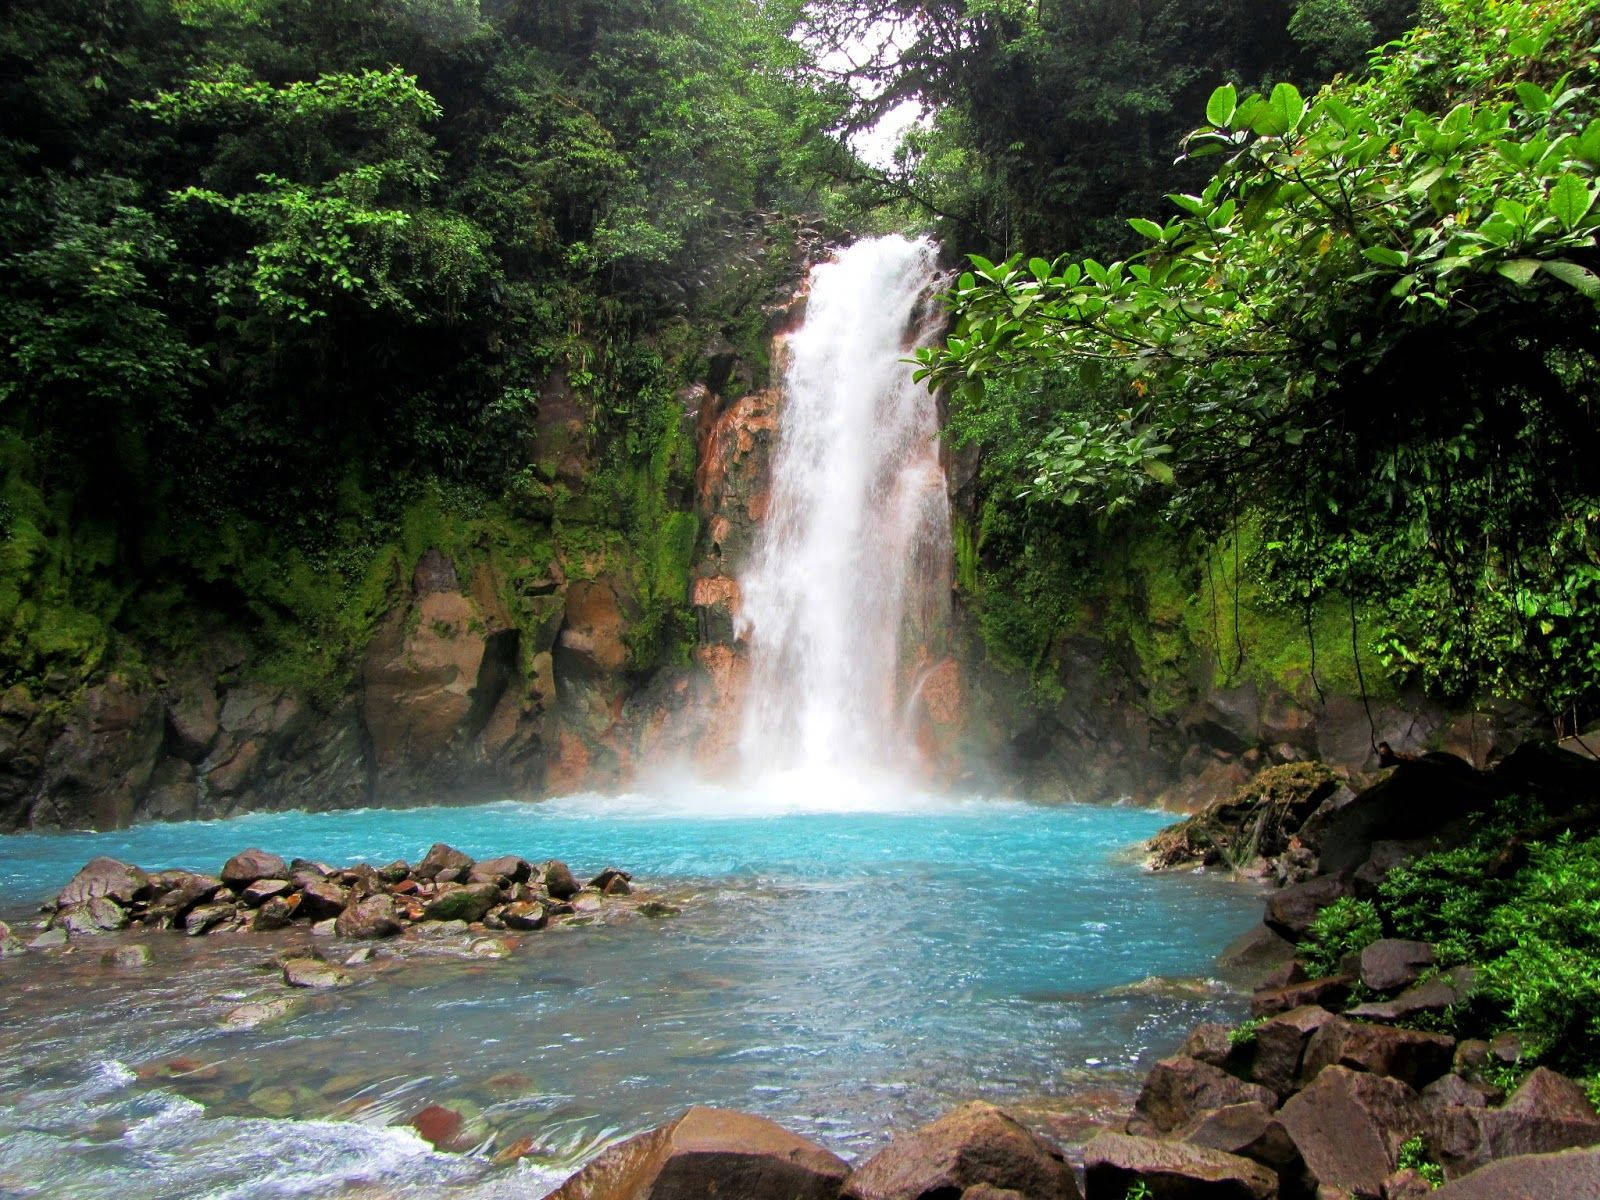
856	547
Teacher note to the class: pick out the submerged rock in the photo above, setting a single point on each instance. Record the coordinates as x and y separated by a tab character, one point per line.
711	1152
313	973
262	1011
127	958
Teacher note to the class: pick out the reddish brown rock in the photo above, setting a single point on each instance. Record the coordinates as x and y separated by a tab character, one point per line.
1280	1046
371	918
1391	963
1349	1126
1549	1112
1563	1176
1323	993
262	890
1179	1089
467	904
1210	1042
117	881
710	1152
1409	1055
1248	1130
508	867
525	914
975	1144
1114	1163
443	1129
276	913
441	857
246	867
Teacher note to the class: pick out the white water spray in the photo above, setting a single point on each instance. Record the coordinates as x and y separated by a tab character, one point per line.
855	552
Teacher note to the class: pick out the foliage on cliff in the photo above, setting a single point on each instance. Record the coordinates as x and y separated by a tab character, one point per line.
275	272
1375	326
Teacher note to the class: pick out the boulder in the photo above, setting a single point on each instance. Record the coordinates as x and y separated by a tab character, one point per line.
508	867
246	867
1210	1042
559	880
207	917
178	893
446	1129
1323	993
1349	1126
262	890
1179	1089
373	917
117	881
1454	1089
468	903
442	858
313	973
1432	995
609	876
322	899
710	1152
1564	1176
1114	1162
276	913
95	915
974	1144
1391	963
1280	1046
1417	799
1291	910
1409	1055
395	872
525	915
50	939
1549	1112
1248	1130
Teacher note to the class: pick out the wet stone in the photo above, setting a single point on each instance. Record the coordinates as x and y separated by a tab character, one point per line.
314	973
127	958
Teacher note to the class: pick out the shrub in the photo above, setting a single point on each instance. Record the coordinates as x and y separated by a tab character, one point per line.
1345	927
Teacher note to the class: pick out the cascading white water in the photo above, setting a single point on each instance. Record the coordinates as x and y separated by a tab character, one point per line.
856	546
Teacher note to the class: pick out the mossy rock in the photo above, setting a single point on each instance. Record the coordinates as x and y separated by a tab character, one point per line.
1256	821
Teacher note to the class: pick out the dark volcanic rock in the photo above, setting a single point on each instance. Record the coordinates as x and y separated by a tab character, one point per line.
1409	1055
1417	799
710	1152
321	899
276	913
373	917
559	880
525	914
1210	1042
508	867
1179	1089
206	918
1114	1162
181	891
246	867
974	1144
1431	995
1291	910
106	877
262	890
1349	1126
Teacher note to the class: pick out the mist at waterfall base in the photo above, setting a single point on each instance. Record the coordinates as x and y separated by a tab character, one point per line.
855	952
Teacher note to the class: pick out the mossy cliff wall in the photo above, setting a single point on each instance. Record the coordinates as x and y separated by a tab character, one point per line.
460	642
1133	663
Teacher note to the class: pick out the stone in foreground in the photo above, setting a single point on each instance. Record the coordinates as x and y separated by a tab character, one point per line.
105	877
710	1152
373	917
1179	1089
1564	1176
1349	1127
975	1144
1115	1162
313	973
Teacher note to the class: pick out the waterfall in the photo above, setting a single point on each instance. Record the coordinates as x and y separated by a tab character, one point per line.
851	576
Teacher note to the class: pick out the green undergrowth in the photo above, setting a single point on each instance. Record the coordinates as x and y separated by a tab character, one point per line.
1520	902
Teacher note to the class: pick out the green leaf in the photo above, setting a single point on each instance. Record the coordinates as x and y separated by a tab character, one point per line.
1534	98
1223	104
1288	103
1570	200
1148	228
1158	470
1573	275
1520	270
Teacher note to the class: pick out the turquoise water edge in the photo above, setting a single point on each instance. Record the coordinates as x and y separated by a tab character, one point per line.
845	973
